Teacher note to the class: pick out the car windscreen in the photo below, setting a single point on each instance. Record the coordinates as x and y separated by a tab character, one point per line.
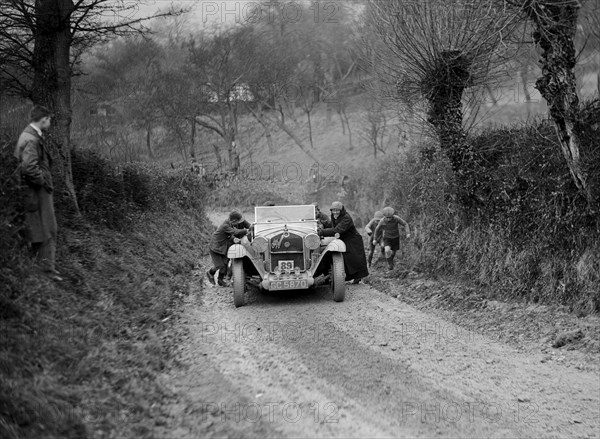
284	213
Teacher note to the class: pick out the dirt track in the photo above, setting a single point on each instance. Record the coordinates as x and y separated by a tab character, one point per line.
297	364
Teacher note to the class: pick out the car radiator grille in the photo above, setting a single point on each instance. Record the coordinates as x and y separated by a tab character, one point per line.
287	248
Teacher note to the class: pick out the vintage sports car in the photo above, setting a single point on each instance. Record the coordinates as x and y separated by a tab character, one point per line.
286	253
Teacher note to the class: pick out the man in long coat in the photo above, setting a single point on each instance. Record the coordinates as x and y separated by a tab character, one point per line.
37	187
355	261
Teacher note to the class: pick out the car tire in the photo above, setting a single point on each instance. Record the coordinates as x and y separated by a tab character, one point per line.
337	277
239	283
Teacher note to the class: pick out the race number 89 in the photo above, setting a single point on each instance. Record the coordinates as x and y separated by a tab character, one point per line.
286	265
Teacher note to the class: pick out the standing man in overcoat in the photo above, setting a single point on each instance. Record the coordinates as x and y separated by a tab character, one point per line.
37	187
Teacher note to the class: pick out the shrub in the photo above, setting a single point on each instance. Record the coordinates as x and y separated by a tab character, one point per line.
530	236
113	195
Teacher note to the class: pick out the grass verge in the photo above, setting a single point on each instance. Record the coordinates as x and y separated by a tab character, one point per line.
80	358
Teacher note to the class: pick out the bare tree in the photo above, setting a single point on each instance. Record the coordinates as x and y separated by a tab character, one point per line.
555	26
338	94
218	66
436	51
375	124
41	42
271	62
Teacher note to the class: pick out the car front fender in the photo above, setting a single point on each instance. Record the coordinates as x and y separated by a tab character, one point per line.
335	246
237	251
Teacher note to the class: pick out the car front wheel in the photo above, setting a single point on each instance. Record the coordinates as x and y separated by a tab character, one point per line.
239	283
338	284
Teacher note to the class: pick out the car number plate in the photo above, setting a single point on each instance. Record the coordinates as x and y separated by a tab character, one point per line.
291	284
286	265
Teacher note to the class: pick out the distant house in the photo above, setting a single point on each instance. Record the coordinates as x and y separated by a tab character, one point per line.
103	109
239	93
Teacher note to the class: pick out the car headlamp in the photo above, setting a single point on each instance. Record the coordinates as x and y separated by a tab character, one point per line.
260	244
312	241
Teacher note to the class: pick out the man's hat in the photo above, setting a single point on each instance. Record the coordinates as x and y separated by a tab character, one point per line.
268	203
388	211
336	205
235	216
378	214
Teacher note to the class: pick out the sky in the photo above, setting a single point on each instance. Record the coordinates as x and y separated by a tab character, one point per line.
208	11
230	12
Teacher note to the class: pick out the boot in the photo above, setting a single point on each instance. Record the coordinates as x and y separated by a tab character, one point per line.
390	262
222	283
211	277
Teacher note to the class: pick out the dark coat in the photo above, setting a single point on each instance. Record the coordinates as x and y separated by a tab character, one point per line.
222	238
355	261
36	184
323	219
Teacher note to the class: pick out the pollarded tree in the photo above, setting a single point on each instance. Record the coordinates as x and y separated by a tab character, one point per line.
434	51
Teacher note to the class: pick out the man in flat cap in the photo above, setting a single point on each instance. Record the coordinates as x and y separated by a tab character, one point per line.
233	227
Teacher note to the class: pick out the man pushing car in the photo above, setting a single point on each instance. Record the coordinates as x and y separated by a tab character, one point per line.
390	225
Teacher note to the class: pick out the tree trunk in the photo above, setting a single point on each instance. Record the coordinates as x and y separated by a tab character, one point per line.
283	126
444	92
193	141
374	142
265	126
218	156
296	139
310	137
446	117
340	111
269	139
230	130
351	145
555	26
52	87
149	140
524	82
236	157
233	153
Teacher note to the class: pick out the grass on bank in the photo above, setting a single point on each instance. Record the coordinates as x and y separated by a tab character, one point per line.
79	358
530	238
